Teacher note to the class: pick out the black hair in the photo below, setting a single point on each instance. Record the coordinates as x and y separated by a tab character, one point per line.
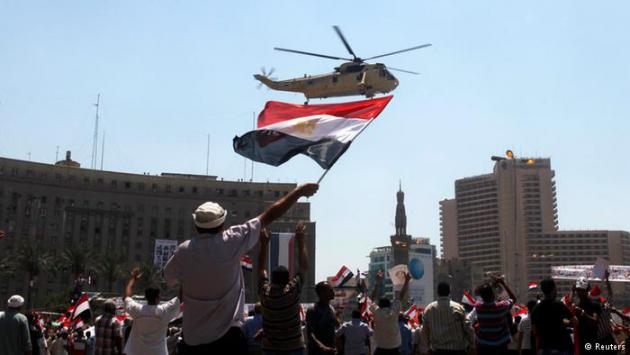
486	292
384	303
321	287
547	286
531	304
356	314
280	275
443	289
152	294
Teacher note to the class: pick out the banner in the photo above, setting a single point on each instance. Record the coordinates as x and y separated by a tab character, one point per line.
618	273
397	275
164	249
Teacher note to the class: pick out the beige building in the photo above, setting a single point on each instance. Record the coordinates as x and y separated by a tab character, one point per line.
63	205
507	221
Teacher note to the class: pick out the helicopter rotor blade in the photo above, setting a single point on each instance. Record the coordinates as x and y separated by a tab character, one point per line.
400	51
309	53
343	39
403	70
271	71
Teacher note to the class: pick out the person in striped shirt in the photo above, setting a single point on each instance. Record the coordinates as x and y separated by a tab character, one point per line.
280	301
445	328
493	317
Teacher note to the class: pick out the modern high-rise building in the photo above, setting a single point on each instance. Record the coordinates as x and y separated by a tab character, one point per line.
507	222
62	206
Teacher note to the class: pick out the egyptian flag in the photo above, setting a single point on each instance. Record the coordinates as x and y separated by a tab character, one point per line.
532	285
467	299
343	275
322	132
246	262
281	251
82	308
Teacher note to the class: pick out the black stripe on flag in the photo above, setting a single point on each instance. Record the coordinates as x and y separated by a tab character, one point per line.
275	148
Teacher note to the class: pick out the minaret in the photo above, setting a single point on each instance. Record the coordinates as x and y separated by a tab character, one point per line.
400	240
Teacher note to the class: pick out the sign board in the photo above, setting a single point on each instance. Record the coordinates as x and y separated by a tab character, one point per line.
164	249
619	273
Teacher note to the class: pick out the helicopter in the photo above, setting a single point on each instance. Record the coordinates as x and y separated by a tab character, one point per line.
354	77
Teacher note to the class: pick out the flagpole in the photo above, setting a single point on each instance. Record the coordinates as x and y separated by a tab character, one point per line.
343	151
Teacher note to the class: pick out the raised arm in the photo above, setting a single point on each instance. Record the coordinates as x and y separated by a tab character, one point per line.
377	285
278	208
501	281
300	230
608	286
262	256
135	274
405	287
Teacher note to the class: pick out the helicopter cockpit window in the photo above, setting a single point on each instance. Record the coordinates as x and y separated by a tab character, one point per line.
382	73
390	76
354	68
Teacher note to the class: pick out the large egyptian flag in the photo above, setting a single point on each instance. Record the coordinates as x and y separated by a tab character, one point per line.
322	132
281	251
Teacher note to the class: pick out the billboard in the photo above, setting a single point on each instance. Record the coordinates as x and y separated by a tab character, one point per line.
421	269
164	249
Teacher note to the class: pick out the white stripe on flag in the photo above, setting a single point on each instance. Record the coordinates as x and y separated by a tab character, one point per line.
315	128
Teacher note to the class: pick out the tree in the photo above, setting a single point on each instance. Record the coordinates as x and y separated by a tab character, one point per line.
151	275
111	269
31	259
78	261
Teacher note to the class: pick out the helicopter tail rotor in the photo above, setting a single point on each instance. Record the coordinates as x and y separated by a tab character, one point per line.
265	76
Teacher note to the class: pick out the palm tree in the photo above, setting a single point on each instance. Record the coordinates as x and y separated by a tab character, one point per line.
151	276
30	259
111	269
78	260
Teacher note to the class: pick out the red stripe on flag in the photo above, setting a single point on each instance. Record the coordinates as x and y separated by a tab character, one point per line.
275	111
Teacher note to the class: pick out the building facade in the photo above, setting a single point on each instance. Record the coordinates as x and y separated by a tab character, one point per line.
504	221
61	206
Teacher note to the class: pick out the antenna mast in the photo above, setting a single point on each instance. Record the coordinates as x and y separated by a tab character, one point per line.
253	127
103	150
95	139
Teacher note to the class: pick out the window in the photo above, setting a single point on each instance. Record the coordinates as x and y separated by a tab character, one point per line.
114	184
127	185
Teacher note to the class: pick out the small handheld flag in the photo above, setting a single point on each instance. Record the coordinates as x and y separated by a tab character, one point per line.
342	276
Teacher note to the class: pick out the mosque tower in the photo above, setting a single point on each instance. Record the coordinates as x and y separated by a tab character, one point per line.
401	240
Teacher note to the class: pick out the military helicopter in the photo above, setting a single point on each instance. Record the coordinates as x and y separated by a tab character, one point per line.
355	77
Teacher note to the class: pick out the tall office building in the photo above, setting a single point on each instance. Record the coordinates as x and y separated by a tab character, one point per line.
507	221
61	206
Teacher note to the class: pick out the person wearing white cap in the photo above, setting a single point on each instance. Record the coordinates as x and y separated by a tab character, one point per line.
14	334
208	268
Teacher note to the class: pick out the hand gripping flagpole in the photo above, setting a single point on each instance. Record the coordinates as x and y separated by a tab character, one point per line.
344	150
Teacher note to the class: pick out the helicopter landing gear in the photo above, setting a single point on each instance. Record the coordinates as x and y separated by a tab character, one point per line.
306	102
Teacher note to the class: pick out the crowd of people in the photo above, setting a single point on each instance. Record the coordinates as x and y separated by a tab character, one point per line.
206	271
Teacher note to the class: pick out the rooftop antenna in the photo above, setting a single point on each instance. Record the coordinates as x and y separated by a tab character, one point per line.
208	156
103	150
57	155
95	140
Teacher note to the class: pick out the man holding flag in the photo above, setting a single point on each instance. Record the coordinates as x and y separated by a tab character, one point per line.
208	266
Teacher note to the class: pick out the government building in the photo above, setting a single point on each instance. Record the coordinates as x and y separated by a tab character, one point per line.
60	206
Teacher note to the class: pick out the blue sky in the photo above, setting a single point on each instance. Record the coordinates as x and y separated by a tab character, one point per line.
542	78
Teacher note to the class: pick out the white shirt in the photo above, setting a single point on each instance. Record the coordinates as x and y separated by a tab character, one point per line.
386	331
209	268
148	333
355	333
525	327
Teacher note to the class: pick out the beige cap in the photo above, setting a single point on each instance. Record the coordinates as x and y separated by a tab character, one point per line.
15	301
209	215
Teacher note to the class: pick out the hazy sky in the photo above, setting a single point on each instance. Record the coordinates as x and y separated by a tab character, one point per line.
544	78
